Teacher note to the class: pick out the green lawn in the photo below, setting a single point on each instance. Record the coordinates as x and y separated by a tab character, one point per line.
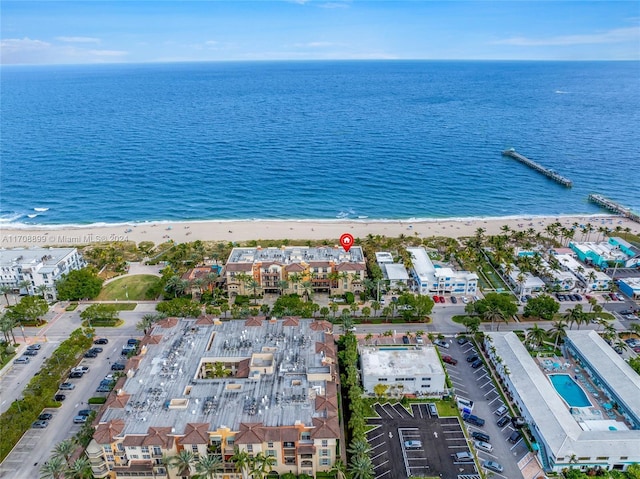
132	288
124	306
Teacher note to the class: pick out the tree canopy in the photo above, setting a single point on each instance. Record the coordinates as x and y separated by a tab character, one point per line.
99	312
544	306
181	307
79	284
30	308
506	303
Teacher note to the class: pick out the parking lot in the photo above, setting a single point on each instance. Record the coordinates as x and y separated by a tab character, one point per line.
432	441
476	385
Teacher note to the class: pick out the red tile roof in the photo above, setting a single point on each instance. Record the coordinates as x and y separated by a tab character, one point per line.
250	433
106	432
328	428
235	267
196	433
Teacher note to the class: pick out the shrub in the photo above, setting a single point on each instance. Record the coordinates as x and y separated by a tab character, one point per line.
349	297
97	400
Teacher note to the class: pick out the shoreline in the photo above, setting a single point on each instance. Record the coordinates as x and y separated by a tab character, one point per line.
20	236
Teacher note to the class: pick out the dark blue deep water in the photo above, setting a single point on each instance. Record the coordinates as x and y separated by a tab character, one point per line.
314	140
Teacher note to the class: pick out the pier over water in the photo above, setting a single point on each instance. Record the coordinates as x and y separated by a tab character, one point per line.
539	168
613	206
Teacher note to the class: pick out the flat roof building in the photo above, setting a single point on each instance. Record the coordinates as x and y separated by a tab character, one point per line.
630	287
431	279
403	369
395	273
594	280
567	434
607	253
258	385
40	267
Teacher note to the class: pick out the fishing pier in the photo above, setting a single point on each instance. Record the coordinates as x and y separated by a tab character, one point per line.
512	153
615	207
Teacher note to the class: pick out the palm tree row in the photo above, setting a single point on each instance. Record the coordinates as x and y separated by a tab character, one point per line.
210	466
59	466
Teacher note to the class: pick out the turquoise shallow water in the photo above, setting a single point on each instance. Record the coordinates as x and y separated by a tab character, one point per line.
314	140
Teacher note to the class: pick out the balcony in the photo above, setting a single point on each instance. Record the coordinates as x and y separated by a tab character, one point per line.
100	471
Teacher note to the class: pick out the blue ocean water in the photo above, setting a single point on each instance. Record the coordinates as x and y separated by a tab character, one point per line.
314	140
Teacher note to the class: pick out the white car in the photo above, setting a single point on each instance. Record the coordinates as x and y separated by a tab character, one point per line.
465	300
442	343
413	444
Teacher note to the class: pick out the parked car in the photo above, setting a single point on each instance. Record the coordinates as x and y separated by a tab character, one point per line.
441	343
465	300
30	352
101	341
442	299
449	360
462	340
472	358
480	436
96	350
127	349
475	420
81	369
90	354
133	342
433	410
106	382
405	340
22	360
492	466
501	411
503	421
59	397
436	299
103	389
34	347
67	387
45	416
476	364
75	375
39	424
79	419
85	412
464	456
117	367
483	446
515	437
454	300
518	422
419	339
413	444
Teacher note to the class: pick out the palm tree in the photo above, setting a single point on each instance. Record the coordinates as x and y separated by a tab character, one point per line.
493	314
53	469
7	324
558	330
243	462
26	285
183	462
5	290
254	285
262	465
361	467
338	470
307	290
536	336
324	312
79	469
42	289
375	305
359	447
282	286
64	449
208	466
172	285
574	315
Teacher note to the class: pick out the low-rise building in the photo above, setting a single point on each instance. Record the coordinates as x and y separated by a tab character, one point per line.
295	269
36	270
615	251
524	282
593	279
429	279
257	386
402	369
568	429
630	287
394	273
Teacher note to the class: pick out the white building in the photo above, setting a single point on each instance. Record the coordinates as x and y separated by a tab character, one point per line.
525	284
593	279
564	280
572	436
404	370
40	267
395	273
430	279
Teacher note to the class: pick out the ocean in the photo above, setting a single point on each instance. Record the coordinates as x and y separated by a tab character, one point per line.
374	140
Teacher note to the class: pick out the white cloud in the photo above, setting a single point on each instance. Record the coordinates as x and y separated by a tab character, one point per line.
78	39
13	45
315	45
107	53
618	35
334	5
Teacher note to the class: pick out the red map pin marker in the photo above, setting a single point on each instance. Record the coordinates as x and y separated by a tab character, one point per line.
346	240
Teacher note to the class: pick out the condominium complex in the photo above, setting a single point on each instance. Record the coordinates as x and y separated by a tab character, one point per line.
431	279
582	409
395	273
295	269
35	270
615	251
260	386
402	370
593	279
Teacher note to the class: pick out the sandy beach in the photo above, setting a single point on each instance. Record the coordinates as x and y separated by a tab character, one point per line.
294	230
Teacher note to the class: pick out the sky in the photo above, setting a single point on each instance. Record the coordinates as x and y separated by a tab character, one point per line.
126	31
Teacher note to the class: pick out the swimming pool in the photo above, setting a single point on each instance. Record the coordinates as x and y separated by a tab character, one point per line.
569	390
394	348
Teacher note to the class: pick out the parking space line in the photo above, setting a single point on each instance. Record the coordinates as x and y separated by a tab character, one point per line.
381	464
483	376
488	382
493	400
383	474
381	444
377	456
376	437
511	448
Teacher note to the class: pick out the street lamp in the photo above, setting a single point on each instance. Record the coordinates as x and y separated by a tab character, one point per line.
23	335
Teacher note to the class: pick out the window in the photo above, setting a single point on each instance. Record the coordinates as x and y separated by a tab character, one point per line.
107	448
146	456
305	436
325	443
271	453
145	449
194	448
157	451
249	447
382	380
133	456
325	462
289	444
324	452
110	458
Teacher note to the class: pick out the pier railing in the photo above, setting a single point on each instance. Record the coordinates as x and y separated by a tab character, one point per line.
512	153
615	207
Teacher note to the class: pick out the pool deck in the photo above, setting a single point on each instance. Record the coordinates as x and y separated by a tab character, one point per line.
597	410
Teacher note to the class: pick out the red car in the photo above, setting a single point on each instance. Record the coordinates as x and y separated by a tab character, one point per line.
449	360
436	299
442	300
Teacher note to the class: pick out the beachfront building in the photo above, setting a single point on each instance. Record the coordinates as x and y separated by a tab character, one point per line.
203	278
615	251
257	386
581	410
592	279
395	274
524	283
558	279
402	369
431	279
295	269
36	270
630	287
